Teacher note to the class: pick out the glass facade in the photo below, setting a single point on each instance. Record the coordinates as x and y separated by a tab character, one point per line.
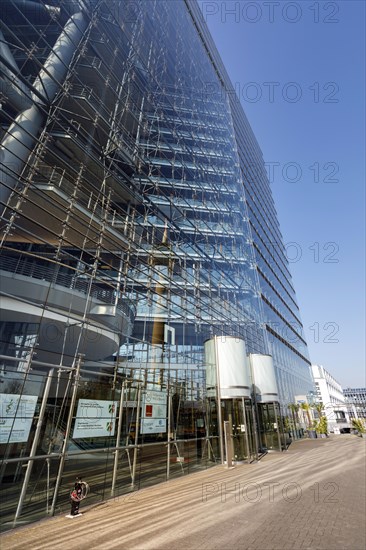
137	223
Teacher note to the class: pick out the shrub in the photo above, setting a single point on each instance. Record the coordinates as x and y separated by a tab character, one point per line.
322	425
359	425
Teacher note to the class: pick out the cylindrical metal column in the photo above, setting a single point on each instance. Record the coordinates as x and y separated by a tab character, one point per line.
246	425
219	413
118	440
277	425
136	437
67	435
34	446
169	432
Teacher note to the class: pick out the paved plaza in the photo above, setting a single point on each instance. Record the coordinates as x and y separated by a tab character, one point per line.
310	497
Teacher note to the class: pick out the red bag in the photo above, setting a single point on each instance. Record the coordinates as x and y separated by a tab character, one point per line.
74	496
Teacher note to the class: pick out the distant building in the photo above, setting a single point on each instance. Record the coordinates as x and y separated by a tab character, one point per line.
330	393
356	402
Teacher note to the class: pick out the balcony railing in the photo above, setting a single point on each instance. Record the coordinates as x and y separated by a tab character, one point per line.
57	275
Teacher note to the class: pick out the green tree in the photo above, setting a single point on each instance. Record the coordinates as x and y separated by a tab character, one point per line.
319	407
306	407
287	424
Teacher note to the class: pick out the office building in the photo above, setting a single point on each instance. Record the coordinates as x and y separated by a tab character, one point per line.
330	393
144	278
356	402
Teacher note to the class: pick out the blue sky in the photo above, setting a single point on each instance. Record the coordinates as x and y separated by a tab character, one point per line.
299	70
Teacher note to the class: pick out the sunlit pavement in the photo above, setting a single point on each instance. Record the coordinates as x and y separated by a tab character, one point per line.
310	497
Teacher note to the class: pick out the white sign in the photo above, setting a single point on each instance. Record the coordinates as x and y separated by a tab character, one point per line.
16	417
95	418
153	414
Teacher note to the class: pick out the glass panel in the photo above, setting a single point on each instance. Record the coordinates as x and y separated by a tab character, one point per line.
268	427
232	411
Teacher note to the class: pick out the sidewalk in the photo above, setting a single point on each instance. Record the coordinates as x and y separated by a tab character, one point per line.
310	497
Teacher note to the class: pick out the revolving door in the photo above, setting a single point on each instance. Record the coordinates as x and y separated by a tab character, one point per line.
238	413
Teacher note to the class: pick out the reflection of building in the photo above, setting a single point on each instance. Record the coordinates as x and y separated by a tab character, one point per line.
330	393
138	223
356	402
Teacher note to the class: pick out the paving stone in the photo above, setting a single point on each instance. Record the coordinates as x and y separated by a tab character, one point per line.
175	516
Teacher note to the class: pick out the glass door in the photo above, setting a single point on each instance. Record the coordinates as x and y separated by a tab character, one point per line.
233	412
268	426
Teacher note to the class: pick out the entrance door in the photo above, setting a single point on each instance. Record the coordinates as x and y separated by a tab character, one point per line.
233	412
268	428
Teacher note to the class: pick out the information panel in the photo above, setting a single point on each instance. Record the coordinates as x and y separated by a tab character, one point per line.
16	417
95	418
153	413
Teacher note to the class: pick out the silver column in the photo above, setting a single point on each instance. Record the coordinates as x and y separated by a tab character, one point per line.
34	446
67	434
118	439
